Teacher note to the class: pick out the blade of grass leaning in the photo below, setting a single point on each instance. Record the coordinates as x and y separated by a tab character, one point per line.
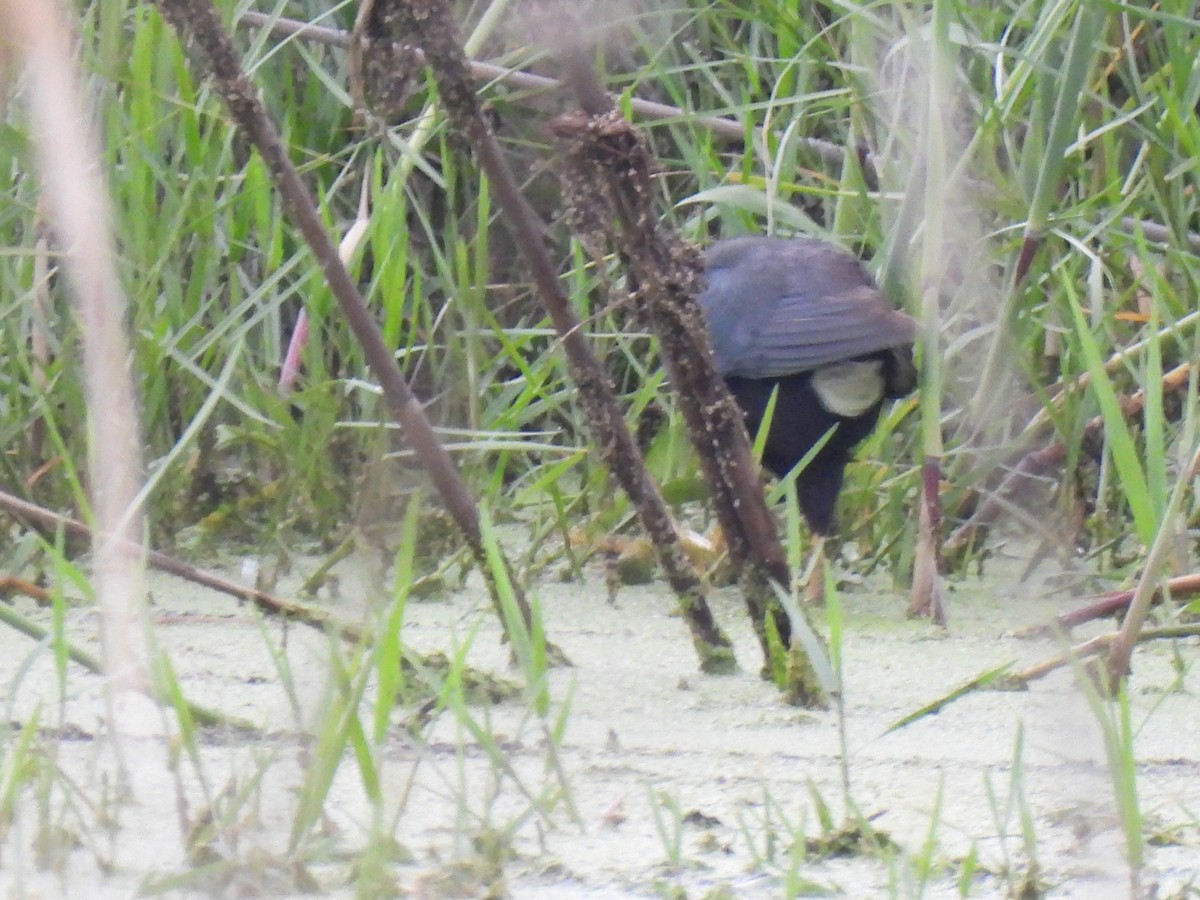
18	765
1117	730
388	658
528	643
810	642
982	680
337	729
1120	441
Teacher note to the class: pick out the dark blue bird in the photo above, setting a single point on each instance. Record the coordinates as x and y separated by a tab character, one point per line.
802	315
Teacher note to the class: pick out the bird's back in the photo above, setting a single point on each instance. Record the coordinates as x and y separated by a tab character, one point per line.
776	307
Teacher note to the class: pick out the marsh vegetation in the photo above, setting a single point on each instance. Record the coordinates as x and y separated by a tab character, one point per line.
1020	177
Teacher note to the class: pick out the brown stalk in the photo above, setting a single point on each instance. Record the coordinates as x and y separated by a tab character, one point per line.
925	597
43	519
609	165
1149	585
1094	647
1110	603
197	20
431	24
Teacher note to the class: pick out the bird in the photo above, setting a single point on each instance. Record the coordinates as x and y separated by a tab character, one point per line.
802	317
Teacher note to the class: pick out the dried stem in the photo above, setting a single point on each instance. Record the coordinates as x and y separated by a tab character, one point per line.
1093	647
611	166
42	518
1150	582
926	599
431	23
198	20
76	203
1112	602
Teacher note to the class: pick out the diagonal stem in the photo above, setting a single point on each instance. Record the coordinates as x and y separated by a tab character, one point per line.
198	20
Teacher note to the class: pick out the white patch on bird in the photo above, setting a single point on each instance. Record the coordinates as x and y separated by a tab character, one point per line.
851	388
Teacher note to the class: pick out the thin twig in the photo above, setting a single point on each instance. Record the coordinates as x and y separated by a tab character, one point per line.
1093	647
1113	602
268	603
202	714
829	152
730	129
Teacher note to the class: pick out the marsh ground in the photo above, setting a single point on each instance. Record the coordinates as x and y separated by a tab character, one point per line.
680	782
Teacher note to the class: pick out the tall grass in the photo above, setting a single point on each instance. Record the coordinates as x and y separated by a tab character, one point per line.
207	255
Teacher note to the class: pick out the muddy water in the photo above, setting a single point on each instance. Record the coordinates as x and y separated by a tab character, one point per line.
732	771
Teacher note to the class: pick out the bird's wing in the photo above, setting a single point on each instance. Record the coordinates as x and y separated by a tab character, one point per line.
777	307
767	337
